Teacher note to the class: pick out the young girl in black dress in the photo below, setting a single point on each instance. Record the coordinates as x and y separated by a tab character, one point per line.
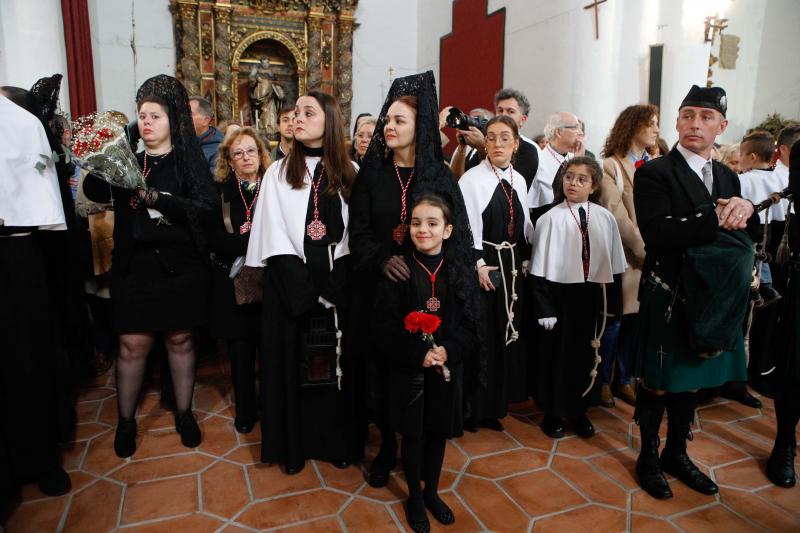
425	379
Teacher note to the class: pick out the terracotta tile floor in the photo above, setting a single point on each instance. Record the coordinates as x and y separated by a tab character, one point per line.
517	480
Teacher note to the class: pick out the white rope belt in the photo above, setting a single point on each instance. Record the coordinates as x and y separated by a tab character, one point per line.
339	372
511	332
595	342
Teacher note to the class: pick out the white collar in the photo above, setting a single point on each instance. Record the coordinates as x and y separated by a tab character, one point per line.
584	205
780	166
695	162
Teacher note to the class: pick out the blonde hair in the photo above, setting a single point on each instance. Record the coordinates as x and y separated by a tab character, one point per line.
223	169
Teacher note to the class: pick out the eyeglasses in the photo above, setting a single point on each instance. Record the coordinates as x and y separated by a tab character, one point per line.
571	127
366	136
499	140
250	152
580	179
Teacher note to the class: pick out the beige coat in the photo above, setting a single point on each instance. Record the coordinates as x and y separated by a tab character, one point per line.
621	206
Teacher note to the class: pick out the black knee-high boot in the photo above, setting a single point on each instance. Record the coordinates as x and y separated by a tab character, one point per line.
648	415
674	459
780	466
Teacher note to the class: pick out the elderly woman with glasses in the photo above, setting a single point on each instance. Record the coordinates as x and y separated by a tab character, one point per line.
242	162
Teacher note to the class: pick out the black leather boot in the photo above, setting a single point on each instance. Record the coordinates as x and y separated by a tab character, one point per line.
780	466
674	459
125	437
648	415
187	427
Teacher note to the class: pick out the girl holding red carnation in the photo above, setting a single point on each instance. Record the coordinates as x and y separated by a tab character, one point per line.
425	377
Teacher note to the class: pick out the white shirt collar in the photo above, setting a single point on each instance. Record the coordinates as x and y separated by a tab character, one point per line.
695	162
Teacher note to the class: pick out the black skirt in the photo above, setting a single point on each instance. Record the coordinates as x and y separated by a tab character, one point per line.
165	288
230	320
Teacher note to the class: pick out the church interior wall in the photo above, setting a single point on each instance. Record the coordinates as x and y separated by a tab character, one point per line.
115	26
32	44
387	36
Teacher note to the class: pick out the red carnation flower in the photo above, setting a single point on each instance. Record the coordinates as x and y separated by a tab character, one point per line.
639	163
428	323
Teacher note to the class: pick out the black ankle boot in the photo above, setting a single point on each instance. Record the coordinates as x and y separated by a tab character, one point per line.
780	465
187	427
674	459
648	415
125	438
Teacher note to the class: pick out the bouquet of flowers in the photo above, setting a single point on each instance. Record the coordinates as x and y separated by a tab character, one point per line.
100	145
428	324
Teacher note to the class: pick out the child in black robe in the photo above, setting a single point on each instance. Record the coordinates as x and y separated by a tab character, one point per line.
426	381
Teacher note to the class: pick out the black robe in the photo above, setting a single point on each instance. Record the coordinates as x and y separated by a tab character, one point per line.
228	319
305	421
505	364
375	207
439	413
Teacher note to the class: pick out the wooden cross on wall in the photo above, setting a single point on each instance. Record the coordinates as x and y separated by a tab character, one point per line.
595	5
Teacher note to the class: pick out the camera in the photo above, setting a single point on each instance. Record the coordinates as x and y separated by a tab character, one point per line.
460	120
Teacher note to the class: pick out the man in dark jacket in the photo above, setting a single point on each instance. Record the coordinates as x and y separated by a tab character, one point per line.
683	201
210	138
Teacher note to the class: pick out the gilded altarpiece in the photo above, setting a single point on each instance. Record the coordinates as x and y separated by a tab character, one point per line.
308	43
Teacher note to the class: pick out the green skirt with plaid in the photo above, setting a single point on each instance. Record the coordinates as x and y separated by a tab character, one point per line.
664	358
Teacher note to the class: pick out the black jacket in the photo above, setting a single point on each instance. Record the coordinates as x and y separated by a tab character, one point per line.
675	211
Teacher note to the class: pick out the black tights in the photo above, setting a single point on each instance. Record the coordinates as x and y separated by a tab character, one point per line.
242	353
423	456
787	412
133	351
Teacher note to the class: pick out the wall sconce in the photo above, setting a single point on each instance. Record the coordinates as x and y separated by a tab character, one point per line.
714	25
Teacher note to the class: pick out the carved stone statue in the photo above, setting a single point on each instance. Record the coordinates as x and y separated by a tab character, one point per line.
266	98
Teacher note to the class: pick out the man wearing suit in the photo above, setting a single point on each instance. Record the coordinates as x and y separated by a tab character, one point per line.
682	201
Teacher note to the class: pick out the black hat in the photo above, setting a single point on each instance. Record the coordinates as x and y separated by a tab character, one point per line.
710	97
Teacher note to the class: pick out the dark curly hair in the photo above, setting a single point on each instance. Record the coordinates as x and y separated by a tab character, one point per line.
628	124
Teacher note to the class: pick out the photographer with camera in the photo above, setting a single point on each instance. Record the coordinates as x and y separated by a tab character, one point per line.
469	134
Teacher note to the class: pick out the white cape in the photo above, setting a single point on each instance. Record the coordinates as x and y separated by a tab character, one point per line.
28	196
478	185
558	244
757	185
279	222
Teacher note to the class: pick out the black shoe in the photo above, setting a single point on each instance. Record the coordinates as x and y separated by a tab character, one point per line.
295	469
651	477
682	467
55	482
780	465
743	397
552	426
381	468
341	465
244	426
582	426
470	425
491	423
440	511
125	438
416	515
187	427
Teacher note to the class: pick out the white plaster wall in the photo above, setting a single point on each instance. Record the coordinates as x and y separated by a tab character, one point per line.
115	26
32	44
778	88
387	36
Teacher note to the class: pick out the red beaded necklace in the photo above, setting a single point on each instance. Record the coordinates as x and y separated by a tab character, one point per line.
433	304
399	232
244	228
509	196
146	171
316	228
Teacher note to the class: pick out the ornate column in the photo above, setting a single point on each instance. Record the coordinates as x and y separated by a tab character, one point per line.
189	64
344	65
314	51
222	63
